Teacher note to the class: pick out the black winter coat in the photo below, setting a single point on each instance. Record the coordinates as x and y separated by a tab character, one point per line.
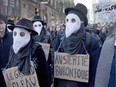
5	44
93	49
45	37
42	68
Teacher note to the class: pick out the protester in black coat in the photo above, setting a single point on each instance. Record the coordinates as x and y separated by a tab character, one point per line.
77	41
44	37
5	44
25	50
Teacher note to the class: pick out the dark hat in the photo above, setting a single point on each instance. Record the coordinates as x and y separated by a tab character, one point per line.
26	24
80	10
11	27
38	18
3	18
11	22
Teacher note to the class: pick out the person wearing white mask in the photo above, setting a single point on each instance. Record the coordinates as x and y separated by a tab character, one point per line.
44	37
75	41
25	50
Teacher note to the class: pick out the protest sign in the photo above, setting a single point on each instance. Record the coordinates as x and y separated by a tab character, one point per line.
71	67
104	12
14	78
46	48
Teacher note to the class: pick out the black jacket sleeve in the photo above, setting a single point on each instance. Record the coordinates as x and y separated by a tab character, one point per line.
42	69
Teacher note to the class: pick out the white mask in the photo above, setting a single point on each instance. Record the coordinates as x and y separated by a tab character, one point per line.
21	38
37	27
9	30
73	24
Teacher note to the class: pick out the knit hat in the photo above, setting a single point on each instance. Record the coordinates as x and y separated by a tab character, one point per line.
3	18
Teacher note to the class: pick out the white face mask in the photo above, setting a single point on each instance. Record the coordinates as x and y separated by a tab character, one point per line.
21	38
37	27
9	30
73	24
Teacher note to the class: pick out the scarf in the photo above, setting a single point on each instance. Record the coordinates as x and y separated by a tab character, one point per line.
41	37
73	43
105	62
21	59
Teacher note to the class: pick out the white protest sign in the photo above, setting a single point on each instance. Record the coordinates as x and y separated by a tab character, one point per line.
104	12
71	67
14	78
46	48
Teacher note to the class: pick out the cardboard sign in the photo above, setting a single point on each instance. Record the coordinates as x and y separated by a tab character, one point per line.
46	48
71	67
14	78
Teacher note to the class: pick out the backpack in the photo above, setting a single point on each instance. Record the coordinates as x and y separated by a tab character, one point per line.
88	39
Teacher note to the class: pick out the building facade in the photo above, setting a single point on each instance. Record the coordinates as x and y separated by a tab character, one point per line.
11	8
51	11
1	4
28	8
16	9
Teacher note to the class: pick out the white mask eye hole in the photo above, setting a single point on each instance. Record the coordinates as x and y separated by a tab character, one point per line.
35	25
67	20
15	33
73	20
22	34
39	25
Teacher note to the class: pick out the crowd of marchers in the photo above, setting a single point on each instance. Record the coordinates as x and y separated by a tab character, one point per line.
20	47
